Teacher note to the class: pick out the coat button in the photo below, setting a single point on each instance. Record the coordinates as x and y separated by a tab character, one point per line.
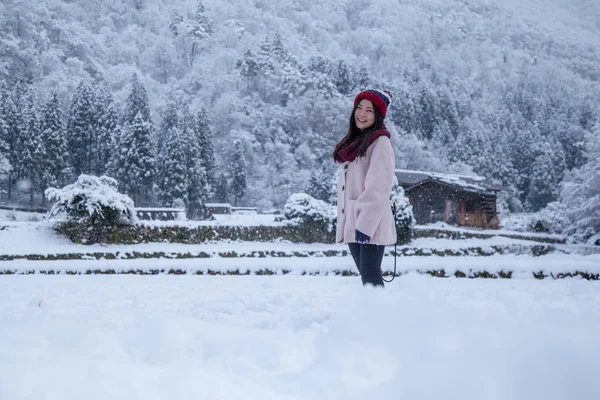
343	187
342	210
346	166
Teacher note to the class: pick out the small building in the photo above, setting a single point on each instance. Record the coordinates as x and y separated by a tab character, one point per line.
453	199
217	208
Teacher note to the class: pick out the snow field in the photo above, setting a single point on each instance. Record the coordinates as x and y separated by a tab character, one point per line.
290	337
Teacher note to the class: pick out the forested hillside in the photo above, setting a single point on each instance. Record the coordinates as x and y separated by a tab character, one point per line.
150	91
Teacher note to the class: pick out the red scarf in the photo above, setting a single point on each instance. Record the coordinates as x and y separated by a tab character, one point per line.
350	151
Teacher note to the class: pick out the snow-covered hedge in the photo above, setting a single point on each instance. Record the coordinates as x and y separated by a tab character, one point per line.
94	200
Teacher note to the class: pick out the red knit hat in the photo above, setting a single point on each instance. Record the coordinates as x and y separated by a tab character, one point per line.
380	99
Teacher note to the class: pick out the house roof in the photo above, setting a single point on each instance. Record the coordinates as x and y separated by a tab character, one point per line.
472	183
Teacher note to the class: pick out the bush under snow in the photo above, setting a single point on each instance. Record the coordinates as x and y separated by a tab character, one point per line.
404	218
302	207
92	199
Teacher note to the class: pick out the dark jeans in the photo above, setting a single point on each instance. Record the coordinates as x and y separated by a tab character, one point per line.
367	258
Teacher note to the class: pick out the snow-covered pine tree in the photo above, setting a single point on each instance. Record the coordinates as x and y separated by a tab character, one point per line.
319	186
55	148
343	81
173	186
170	119
3	143
18	130
221	188
8	132
32	158
107	120
136	148
81	129
238	171
197	182
249	69
137	102
204	135
200	28
546	174
135	160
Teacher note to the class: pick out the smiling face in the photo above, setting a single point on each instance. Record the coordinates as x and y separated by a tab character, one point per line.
364	114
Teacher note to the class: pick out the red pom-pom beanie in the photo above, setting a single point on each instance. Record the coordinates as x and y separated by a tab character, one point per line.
380	99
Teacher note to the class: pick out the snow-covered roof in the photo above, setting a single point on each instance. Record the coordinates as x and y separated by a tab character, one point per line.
408	178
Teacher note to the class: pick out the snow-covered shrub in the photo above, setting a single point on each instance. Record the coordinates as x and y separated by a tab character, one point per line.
315	216
404	217
302	208
555	217
94	200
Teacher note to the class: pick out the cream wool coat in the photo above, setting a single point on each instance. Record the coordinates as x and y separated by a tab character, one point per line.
364	187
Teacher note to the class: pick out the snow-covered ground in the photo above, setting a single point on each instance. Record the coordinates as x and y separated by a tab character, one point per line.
23	239
291	336
297	337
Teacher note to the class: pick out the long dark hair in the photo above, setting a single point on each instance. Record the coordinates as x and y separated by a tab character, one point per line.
354	133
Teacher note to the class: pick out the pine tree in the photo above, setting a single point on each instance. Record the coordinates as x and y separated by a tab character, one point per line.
546	174
319	186
137	102
9	131
204	136
31	161
342	78
238	171
170	120
221	189
81	129
201	26
107	120
197	188
200	29
173	186
135	159
136	149
55	149
249	69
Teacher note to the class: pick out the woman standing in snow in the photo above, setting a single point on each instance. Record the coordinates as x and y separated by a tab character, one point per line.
366	158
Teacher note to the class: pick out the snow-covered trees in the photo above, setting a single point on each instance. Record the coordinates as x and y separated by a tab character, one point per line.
174	178
581	191
470	93
81	129
53	140
320	186
9	131
185	159
238	171
31	159
135	153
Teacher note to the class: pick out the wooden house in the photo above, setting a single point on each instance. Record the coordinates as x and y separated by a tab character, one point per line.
454	199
